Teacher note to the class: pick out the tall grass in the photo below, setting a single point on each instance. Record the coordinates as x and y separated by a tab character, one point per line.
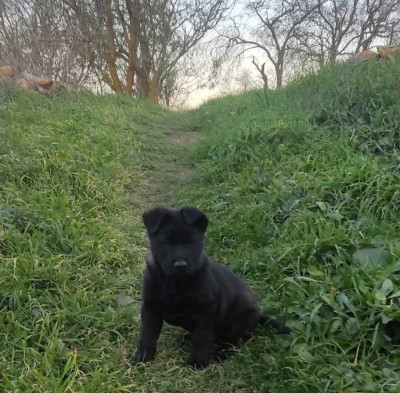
302	186
76	173
71	249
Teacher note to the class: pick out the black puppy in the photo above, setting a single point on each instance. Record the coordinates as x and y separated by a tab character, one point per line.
184	288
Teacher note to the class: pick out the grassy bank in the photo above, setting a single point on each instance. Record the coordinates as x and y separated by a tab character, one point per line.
302	186
76	173
302	189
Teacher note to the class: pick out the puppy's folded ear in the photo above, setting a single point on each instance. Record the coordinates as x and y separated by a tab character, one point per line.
195	217
154	218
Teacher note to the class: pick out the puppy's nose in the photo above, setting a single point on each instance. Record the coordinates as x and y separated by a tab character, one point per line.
180	264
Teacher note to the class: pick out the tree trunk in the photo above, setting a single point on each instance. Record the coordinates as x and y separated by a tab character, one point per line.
261	70
111	56
279	75
142	84
133	8
279	68
113	80
153	92
148	88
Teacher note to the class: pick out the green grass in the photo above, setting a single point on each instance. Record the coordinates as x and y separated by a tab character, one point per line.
300	185
74	174
302	188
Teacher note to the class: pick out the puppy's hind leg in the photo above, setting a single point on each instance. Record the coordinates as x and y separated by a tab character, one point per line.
237	332
224	350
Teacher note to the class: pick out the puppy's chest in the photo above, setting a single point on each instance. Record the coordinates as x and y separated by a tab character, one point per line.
176	301
179	312
183	309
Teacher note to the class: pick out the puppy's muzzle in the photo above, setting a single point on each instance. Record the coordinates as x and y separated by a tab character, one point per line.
180	264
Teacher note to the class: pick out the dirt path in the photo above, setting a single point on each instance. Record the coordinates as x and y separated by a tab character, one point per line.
183	138
169	165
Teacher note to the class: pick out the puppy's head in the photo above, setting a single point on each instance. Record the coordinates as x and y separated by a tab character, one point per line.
176	238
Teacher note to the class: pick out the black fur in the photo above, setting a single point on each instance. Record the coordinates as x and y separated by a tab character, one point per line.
184	288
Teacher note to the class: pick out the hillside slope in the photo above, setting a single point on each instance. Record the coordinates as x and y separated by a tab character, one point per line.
76	173
302	189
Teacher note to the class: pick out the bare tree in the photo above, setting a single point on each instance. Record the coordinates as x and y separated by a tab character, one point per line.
138	43
245	80
298	36
326	36
174	29
340	27
105	27
189	74
394	29
277	24
262	72
34	37
377	19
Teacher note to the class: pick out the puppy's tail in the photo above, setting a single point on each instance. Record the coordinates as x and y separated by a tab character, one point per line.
275	323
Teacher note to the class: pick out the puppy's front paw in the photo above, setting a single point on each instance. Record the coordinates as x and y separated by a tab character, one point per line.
196	363
142	355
